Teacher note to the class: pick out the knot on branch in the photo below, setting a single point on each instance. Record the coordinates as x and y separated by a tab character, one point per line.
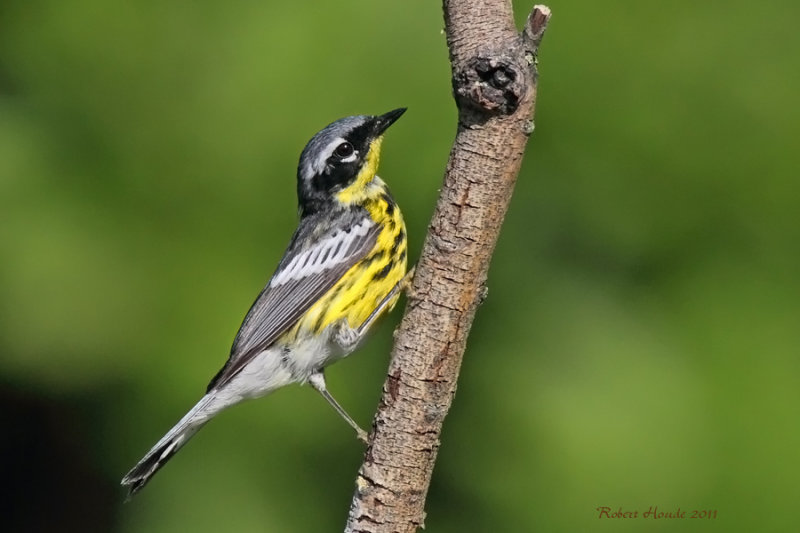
492	84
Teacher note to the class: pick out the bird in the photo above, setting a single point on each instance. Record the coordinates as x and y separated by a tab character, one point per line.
344	267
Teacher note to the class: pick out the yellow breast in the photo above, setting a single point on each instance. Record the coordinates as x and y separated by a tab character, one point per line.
368	282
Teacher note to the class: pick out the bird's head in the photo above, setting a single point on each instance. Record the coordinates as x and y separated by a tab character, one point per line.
340	161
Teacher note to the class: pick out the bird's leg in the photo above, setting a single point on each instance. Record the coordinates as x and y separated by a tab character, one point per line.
402	285
405	283
317	380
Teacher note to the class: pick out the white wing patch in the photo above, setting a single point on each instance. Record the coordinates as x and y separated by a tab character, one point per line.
324	255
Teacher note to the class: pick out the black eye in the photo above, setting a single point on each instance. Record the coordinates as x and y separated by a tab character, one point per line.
344	150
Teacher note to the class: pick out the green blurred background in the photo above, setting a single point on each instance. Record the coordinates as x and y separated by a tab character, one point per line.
639	345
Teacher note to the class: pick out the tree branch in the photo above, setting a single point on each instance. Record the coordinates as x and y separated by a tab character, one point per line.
494	85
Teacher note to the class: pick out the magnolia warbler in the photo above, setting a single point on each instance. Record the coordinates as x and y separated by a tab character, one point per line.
344	267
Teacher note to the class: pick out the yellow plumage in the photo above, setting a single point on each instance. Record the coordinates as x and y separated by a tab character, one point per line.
369	281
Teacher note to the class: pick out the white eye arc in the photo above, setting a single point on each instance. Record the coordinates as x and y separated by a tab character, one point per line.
352	157
345	152
338	150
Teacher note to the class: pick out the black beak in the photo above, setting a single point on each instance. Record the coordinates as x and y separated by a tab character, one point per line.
383	122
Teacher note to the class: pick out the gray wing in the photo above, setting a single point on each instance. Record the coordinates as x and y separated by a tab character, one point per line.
306	272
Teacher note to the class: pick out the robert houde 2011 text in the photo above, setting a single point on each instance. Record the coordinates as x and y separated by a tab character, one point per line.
654	513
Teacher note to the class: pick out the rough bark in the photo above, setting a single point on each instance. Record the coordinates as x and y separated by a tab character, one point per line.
494	85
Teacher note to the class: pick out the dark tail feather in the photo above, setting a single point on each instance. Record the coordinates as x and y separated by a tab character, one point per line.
168	446
138	477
